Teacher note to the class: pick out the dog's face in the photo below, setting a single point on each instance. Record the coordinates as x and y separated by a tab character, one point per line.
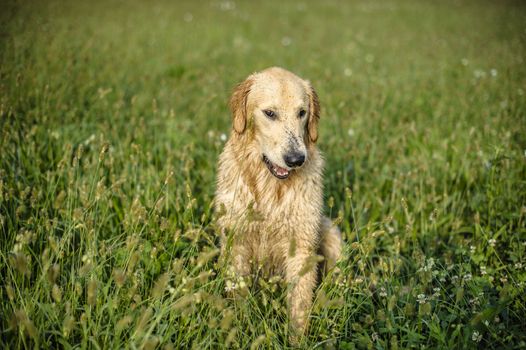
282	111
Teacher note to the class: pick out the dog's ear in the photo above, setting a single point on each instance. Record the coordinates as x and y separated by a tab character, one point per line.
238	105
314	113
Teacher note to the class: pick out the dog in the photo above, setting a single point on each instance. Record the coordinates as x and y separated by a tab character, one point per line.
269	196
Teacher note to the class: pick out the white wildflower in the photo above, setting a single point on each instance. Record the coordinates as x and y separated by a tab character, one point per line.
286	41
374	336
188	17
230	286
479	73
476	336
421	298
227	5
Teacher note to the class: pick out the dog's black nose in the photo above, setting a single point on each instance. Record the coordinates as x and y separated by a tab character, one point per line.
294	159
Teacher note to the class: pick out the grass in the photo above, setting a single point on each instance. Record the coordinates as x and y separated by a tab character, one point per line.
113	115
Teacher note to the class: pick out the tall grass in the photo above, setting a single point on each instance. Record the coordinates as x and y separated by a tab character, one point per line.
112	118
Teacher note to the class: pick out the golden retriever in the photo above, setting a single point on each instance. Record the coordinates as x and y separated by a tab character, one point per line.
269	194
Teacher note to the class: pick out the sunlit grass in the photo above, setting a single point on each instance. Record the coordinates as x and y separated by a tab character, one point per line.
113	115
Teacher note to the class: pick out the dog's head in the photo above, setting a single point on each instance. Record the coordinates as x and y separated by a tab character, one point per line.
282	112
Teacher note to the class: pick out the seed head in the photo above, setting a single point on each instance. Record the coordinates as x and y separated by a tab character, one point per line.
56	293
92	292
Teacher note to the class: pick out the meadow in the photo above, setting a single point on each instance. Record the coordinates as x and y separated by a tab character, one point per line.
112	117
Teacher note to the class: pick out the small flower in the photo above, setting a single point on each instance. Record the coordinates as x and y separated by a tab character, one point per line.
374	336
492	242
483	270
350	132
222	137
468	277
227	5
188	17
464	61
347	72
286	41
383	293
504	279
518	265
493	72
421	298
479	73
472	249
476	336
230	286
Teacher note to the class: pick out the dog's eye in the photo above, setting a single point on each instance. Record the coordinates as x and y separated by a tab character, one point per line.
270	114
301	114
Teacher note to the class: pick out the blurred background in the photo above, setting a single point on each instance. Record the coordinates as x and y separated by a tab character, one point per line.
113	114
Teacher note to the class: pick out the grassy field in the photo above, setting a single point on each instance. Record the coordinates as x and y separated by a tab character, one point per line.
112	117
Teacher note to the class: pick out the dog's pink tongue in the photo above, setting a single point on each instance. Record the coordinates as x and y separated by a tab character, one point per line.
280	171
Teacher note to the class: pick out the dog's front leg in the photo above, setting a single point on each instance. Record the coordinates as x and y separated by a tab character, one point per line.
240	260
301	275
238	271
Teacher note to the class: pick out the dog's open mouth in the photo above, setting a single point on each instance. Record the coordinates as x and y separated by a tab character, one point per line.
277	171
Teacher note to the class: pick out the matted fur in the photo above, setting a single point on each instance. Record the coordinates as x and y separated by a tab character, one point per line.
271	222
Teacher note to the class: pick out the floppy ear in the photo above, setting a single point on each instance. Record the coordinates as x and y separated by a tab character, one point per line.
314	113
238	105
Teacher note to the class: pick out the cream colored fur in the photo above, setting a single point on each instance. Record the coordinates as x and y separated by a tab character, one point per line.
271	222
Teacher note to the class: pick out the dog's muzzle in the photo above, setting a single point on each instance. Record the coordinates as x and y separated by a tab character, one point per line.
277	171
